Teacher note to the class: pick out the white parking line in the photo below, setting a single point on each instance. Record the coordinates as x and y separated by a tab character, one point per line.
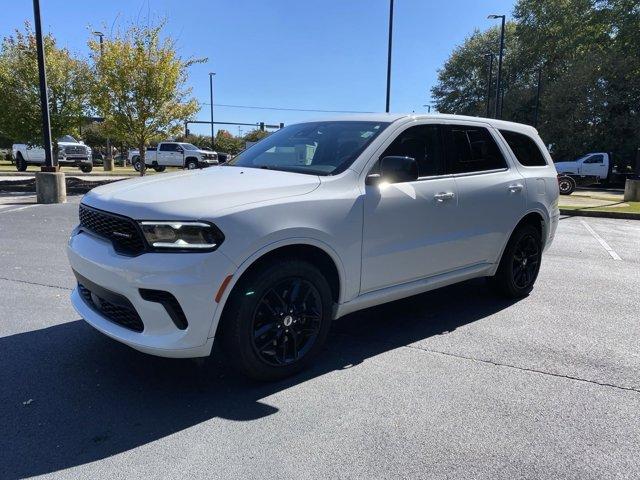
13	208
600	240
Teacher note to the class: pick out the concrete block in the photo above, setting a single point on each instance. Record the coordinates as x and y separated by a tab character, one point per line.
632	190
51	187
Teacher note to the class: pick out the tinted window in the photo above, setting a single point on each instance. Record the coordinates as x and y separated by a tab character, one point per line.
168	147
595	159
423	143
524	148
472	149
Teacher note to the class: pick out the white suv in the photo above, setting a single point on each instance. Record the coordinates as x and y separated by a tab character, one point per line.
317	220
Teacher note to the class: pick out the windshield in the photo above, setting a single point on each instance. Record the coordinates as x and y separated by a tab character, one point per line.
317	148
67	138
188	146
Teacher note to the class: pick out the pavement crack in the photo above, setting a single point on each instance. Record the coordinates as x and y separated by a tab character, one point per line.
35	283
524	369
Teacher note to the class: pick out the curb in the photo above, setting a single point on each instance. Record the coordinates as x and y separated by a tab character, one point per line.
73	174
74	185
592	213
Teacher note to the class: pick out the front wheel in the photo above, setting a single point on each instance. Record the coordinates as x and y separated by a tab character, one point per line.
159	168
86	168
191	164
520	263
277	319
566	185
137	164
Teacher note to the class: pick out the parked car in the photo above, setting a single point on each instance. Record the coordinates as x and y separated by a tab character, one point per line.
174	154
70	152
590	169
316	221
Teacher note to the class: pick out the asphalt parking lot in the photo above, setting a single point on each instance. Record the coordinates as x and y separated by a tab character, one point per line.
450	384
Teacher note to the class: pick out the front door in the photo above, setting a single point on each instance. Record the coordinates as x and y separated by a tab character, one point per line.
409	227
594	165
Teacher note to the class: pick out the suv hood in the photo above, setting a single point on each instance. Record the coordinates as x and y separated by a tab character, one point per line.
197	194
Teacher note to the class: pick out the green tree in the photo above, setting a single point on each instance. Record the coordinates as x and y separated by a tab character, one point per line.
255	135
227	143
589	52
140	86
68	80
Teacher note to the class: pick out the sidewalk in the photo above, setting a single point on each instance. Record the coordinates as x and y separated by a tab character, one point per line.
598	204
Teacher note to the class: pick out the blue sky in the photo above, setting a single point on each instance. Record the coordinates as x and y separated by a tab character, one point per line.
328	54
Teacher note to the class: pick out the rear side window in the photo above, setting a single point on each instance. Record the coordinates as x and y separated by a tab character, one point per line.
524	148
472	149
168	147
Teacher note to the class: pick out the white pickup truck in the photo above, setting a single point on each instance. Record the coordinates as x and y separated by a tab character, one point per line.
70	152
590	169
174	154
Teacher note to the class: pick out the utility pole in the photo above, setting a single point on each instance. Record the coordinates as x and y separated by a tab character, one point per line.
489	82
389	55
535	120
211	75
498	111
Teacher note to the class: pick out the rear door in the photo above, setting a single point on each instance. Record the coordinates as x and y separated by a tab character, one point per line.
168	154
491	191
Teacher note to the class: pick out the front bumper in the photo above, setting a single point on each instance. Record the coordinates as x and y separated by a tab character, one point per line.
207	163
75	161
192	278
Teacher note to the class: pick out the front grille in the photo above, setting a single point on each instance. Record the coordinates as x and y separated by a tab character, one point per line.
122	231
117	308
75	150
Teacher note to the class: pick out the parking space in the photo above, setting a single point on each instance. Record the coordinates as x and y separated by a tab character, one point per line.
450	384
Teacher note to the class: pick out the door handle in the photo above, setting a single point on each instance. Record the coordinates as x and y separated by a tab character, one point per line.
516	187
442	196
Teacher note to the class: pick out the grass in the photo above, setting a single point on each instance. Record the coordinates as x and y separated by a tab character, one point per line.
630	207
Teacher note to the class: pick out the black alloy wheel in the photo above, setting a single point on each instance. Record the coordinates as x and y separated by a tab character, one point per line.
525	261
286	321
276	319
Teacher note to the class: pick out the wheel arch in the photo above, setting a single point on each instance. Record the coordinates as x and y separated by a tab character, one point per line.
187	159
312	250
532	217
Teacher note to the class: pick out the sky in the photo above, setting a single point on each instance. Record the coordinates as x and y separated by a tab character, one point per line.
304	54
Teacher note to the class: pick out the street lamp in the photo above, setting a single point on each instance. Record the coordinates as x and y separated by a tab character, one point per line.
490	56
101	35
211	75
107	165
428	107
389	55
500	55
535	120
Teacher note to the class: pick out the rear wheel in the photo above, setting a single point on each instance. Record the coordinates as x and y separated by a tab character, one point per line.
520	263
137	164
21	165
277	320
566	185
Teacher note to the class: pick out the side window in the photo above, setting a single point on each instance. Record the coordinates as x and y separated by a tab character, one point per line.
595	159
524	148
472	149
423	143
168	147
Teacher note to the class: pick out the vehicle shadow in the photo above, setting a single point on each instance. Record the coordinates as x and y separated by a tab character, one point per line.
71	396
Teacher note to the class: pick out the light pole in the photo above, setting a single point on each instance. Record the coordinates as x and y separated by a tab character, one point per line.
389	55
428	107
211	75
107	164
538	90
500	55
490	56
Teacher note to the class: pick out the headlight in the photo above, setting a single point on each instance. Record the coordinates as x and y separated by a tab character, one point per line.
182	236
61	154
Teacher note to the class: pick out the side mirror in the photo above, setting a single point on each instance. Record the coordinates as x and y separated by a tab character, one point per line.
395	170
179	150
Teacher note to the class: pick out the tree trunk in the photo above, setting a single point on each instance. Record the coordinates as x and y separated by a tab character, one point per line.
143	154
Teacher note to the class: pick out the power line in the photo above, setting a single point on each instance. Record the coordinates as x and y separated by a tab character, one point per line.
255	107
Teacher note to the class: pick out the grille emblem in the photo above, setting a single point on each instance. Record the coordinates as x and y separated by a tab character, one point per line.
121	235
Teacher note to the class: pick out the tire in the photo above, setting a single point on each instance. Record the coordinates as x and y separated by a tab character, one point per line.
191	164
520	263
268	301
21	165
137	164
159	168
566	185
86	168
